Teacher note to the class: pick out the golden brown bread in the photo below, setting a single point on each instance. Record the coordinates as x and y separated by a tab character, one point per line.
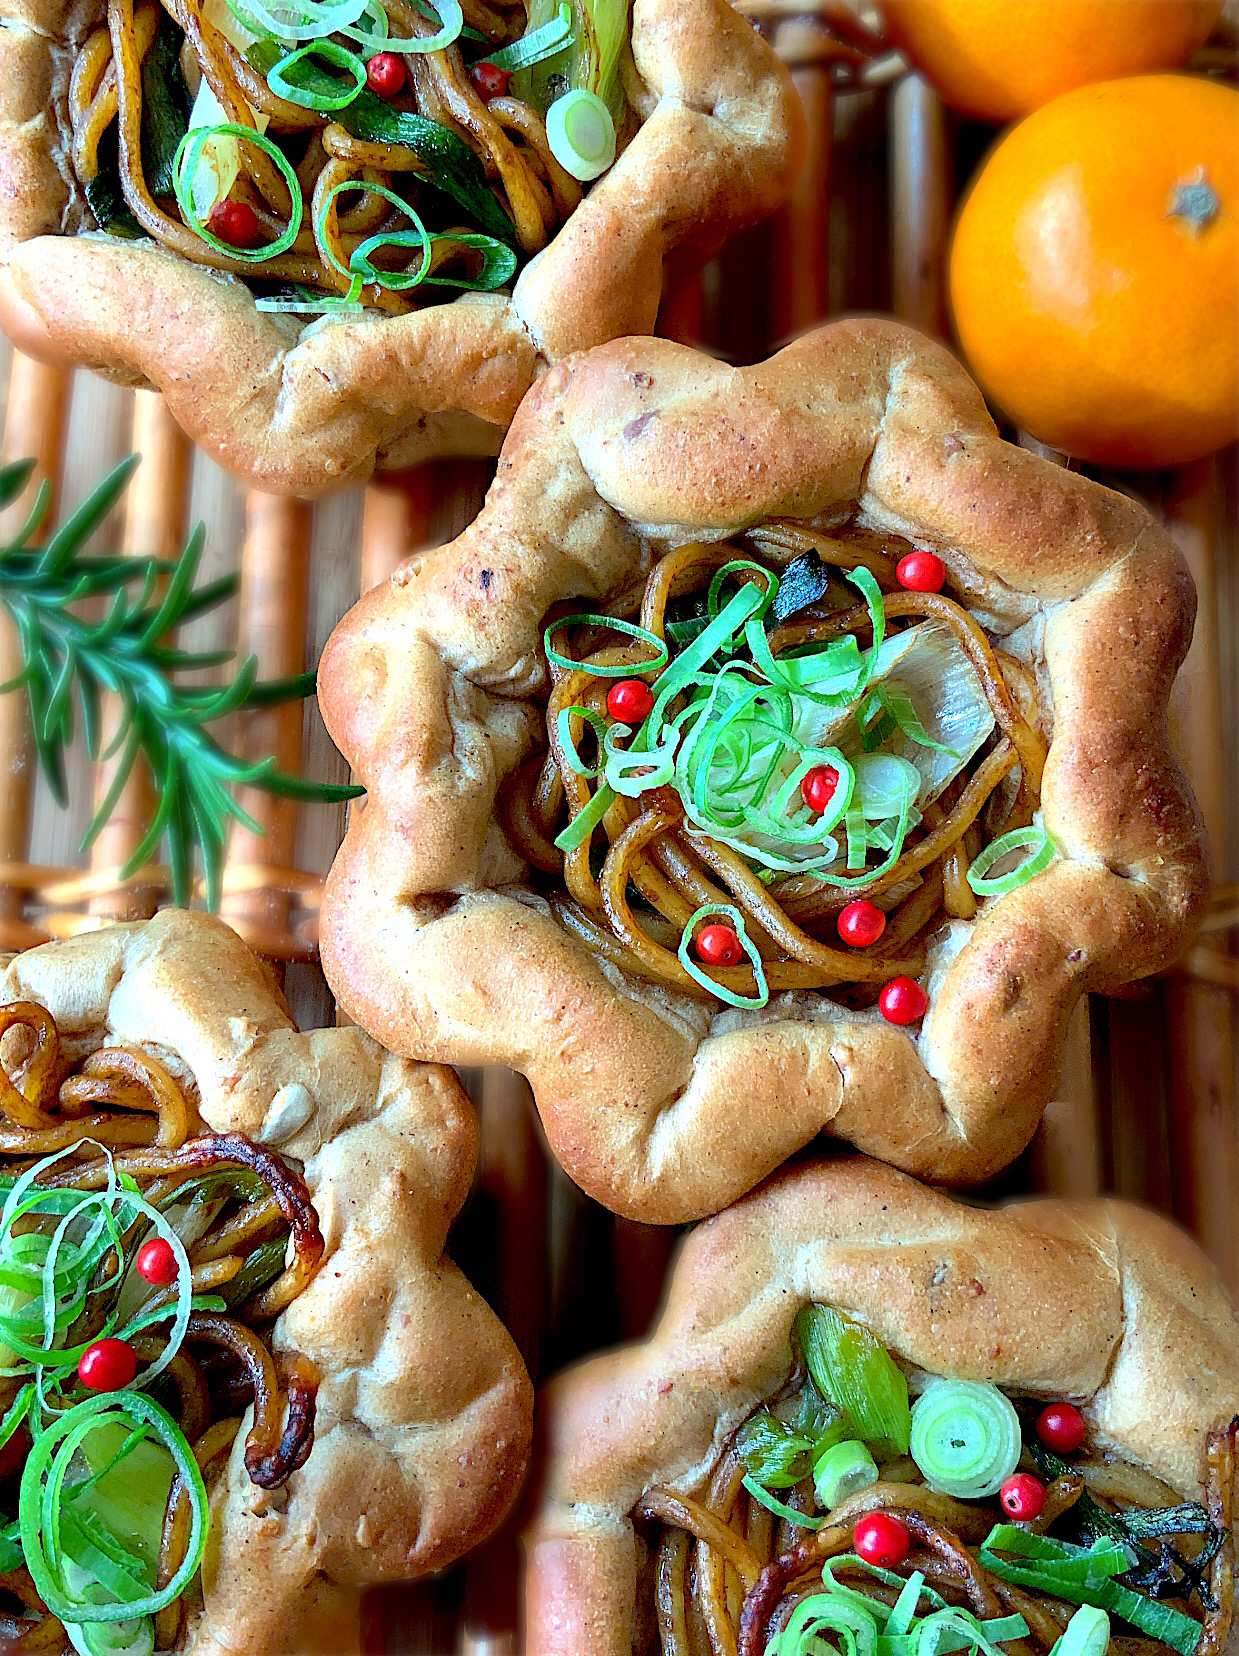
1098	1301
424	1406
308	410
655	1108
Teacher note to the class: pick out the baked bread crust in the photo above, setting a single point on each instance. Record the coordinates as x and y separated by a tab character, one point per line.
424	1407
1098	1301
310	410
616	456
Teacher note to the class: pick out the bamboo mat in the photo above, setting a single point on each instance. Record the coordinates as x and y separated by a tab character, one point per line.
1147	1100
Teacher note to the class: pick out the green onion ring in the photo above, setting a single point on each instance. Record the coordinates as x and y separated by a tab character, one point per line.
535	44
694	971
392	279
451	18
279	83
185	165
720	576
39	1504
1041	853
660	658
563	729
584	823
780	1509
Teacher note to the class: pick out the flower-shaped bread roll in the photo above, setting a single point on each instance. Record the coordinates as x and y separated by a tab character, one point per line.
777	796
1088	1344
145	260
373	1431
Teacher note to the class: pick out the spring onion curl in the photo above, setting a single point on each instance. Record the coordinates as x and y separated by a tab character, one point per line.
762	671
73	1231
734	1570
281	98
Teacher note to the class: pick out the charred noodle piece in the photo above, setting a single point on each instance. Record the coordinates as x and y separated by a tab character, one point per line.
29	1105
272	1450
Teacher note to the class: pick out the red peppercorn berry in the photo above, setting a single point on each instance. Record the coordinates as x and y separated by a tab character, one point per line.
385	75
157	1263
234	222
818	787
107	1365
861	924
630	701
490	80
1061	1428
1022	1496
921	572
882	1540
903	1001
718	946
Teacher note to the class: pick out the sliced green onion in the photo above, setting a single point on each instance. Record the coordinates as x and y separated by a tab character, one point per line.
658	659
309	304
852	1368
730	912
863	1626
563	729
1084	1575
297	21
185	165
1086	1634
359	268
840	1471
965	1438
499	261
54	1530
310	97
581	134
631	771
535	44
1041	853
584	823
719	579
452	21
780	1508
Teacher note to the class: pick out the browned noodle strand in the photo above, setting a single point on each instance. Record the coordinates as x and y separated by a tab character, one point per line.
698	1520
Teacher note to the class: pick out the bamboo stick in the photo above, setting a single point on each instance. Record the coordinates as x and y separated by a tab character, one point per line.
155	509
920	204
800	294
33	429
1201	1015
275	573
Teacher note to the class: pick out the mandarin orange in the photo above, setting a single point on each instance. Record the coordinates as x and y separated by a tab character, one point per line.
999	59
1094	271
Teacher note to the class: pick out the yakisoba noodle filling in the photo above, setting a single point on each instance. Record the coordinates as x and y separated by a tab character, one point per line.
780	768
143	1261
862	1515
341	153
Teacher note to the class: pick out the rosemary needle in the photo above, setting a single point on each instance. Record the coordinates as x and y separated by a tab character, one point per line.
68	662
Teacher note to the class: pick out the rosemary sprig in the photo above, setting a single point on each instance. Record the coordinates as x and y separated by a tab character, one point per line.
126	653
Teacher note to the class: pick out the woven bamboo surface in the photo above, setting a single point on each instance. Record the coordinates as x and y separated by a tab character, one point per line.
1148	1101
